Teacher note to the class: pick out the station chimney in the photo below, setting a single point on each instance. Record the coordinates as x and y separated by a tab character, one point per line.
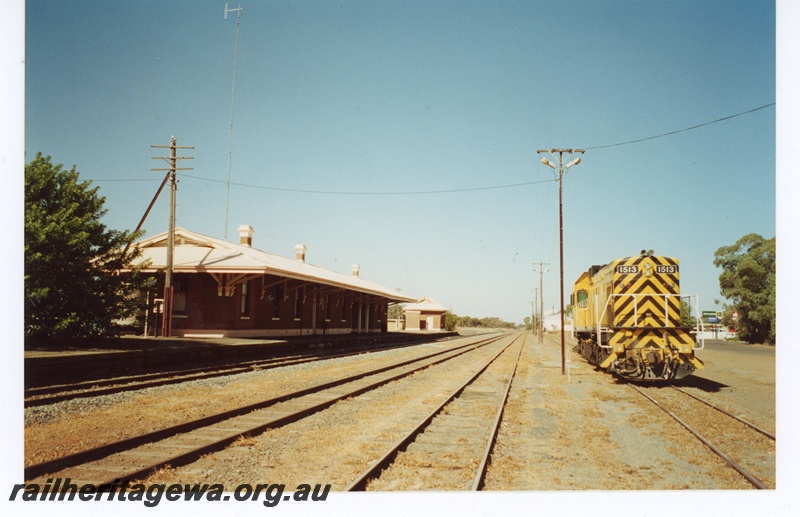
246	235
300	252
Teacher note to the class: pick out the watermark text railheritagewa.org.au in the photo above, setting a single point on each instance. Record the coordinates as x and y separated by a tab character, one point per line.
59	489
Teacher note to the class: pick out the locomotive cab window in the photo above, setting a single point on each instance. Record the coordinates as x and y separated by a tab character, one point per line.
582	297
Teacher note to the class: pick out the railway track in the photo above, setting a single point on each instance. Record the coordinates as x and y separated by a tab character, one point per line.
735	440
44	395
450	448
135	457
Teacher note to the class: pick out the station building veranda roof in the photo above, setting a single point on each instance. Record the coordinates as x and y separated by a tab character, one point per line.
197	253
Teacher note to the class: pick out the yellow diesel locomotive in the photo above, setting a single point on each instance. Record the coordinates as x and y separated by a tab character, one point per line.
628	319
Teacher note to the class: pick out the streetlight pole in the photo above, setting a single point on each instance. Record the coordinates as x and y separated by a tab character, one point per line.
561	168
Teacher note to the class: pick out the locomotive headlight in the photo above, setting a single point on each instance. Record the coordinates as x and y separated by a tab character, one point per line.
648	270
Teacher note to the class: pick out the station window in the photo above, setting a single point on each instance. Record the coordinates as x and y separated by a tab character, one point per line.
276	301
245	305
178	297
298	302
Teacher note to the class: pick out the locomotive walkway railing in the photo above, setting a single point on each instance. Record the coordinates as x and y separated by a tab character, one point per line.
695	307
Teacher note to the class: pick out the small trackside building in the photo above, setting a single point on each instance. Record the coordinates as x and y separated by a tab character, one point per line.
223	289
424	314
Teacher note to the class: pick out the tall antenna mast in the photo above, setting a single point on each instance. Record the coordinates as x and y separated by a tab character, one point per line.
233	97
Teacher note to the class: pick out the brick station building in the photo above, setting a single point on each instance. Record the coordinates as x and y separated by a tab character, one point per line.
425	314
223	289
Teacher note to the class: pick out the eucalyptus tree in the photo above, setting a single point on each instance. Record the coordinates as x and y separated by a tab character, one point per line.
748	280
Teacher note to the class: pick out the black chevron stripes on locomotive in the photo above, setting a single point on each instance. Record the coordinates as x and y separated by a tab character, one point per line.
655	288
640	290
653	337
649	303
649	299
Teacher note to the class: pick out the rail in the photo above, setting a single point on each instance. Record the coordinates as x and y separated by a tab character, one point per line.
377	466
247	423
716	450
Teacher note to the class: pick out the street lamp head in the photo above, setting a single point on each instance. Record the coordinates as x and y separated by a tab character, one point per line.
576	161
545	161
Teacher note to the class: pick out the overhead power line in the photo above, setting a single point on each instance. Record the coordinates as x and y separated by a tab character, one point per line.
473	189
681	130
388	193
130	179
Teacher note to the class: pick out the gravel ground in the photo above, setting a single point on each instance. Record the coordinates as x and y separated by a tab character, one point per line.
739	377
447	454
590	431
334	446
70	426
585	431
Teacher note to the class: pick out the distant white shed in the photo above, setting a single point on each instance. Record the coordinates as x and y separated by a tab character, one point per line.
552	321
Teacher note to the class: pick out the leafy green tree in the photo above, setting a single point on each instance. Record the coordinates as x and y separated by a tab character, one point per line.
72	289
495	322
687	319
450	321
748	280
396	312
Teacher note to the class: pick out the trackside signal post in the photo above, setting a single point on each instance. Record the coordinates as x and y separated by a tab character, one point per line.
172	160
561	168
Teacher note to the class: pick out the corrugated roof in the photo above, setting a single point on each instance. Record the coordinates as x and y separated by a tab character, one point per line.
196	253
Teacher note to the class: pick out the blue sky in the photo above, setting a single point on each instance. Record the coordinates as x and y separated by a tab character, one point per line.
367	104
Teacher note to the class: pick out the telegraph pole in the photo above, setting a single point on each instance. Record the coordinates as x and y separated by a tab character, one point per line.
540	323
560	170
172	160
